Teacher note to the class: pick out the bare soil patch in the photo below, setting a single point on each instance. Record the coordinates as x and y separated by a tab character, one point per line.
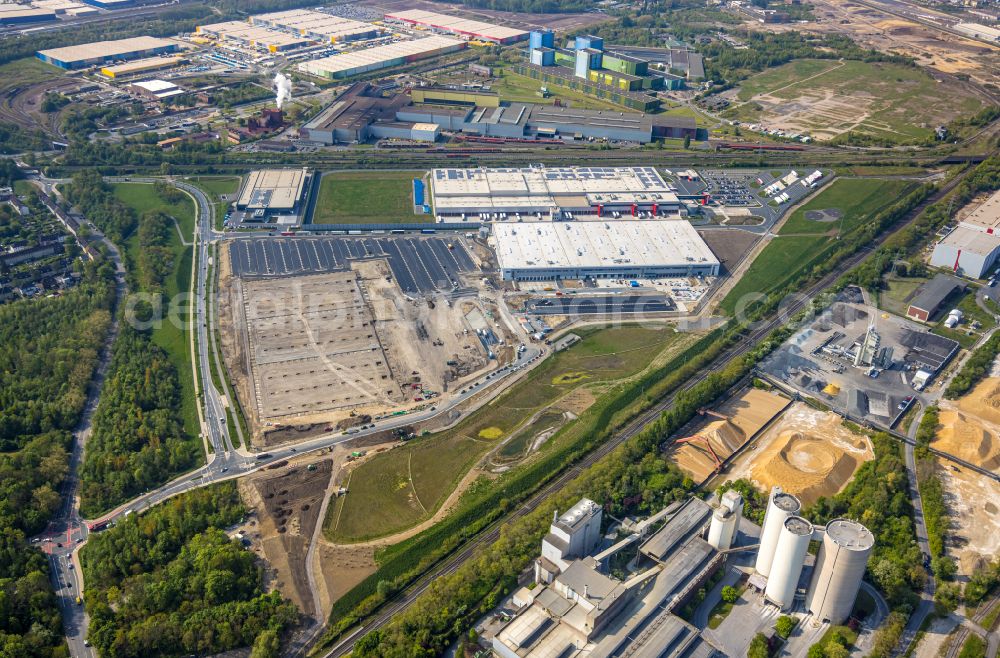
744	416
287	501
808	453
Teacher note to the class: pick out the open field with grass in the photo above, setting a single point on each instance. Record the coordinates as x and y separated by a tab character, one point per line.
174	339
825	98
215	187
782	259
400	488
856	199
358	197
802	243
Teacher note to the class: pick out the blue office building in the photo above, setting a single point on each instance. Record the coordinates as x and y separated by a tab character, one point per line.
588	41
542	39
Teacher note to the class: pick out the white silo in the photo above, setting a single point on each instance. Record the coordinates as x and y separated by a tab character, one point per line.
840	566
789	556
779	507
726	520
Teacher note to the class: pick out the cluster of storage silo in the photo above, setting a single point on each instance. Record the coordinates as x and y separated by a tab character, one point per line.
840	565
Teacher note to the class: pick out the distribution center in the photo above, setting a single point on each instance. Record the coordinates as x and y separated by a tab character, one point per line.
272	192
615	249
356	62
553	192
460	26
104	52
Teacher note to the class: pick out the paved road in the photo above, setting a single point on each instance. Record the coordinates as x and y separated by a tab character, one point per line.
926	605
66	531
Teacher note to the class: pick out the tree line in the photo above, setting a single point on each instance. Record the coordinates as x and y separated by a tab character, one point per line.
138	440
48	350
170	582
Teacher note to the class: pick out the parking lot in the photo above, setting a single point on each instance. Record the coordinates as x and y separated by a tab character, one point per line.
420	265
746	189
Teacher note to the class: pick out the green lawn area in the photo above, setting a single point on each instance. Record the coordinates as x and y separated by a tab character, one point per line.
856	198
899	292
215	187
171	337
974	647
782	259
399	488
520	88
367	198
971	312
27	71
887	101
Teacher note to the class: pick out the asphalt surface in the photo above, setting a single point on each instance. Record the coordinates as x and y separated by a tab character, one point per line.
602	305
420	265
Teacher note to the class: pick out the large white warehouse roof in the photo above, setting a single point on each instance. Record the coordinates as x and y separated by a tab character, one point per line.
593	245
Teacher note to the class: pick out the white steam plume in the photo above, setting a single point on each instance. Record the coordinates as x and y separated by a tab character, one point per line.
284	89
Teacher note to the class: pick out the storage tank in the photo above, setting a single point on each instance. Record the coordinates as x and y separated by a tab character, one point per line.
789	556
780	506
722	529
726	520
840	566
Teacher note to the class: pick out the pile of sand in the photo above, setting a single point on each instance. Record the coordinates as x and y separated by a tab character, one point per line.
695	458
984	400
806	465
966	438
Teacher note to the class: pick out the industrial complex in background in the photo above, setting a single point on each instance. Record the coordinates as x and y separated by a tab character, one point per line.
578	609
364	112
972	247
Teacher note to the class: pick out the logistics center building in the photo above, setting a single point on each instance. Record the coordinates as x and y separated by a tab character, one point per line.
358	62
553	192
105	52
973	247
269	192
317	25
614	249
253	36
460	26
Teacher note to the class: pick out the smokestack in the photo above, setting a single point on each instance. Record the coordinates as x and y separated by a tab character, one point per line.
283	89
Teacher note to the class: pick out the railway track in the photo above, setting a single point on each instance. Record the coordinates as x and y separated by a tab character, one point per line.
451	563
962	633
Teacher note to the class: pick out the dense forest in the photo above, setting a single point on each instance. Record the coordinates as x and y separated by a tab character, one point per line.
96	200
170	583
48	349
138	440
15	139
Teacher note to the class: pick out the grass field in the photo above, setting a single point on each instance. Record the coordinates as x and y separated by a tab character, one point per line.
367	198
520	88
801	243
215	187
825	98
856	198
172	338
400	488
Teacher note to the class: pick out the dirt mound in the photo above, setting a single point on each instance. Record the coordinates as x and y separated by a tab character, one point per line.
984	400
695	458
966	438
807	464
